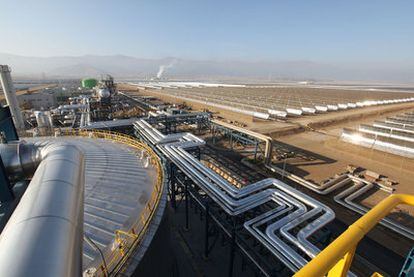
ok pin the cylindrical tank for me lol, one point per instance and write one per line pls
(104, 93)
(89, 83)
(42, 119)
(44, 122)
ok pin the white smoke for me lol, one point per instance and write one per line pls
(163, 67)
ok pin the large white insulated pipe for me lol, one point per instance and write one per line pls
(10, 95)
(44, 235)
(298, 209)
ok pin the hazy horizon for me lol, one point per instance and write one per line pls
(324, 40)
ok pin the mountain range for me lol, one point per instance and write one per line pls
(121, 66)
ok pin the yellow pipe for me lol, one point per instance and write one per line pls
(347, 241)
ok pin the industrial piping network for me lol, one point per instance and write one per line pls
(266, 139)
(291, 207)
(346, 197)
(359, 188)
(44, 235)
(330, 186)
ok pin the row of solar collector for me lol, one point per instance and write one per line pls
(280, 108)
(393, 135)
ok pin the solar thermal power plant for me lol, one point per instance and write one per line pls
(265, 102)
(158, 197)
(207, 139)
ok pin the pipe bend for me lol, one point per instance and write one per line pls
(47, 225)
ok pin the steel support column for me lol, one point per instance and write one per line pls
(206, 231)
(232, 249)
(186, 206)
(173, 187)
(6, 192)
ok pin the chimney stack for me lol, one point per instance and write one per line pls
(10, 95)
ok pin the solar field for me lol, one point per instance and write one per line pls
(268, 102)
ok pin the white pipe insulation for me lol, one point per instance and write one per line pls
(292, 207)
(361, 186)
(44, 235)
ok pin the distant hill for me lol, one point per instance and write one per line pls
(130, 67)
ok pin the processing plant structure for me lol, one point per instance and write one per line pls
(89, 188)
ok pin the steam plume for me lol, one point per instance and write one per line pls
(163, 67)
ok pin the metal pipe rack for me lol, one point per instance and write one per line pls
(216, 124)
(289, 217)
(345, 198)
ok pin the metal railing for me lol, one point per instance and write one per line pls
(126, 241)
(336, 259)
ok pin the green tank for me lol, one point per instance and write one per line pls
(89, 83)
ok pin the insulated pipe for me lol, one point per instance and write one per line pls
(20, 159)
(73, 107)
(232, 206)
(297, 259)
(234, 192)
(253, 227)
(341, 181)
(236, 201)
(323, 189)
(301, 241)
(360, 188)
(44, 235)
(268, 140)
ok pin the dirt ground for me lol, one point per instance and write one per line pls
(278, 127)
(335, 155)
(35, 89)
(318, 137)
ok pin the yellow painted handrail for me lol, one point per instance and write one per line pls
(336, 258)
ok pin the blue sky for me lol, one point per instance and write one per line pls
(323, 31)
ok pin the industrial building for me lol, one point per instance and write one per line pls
(90, 191)
(38, 101)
